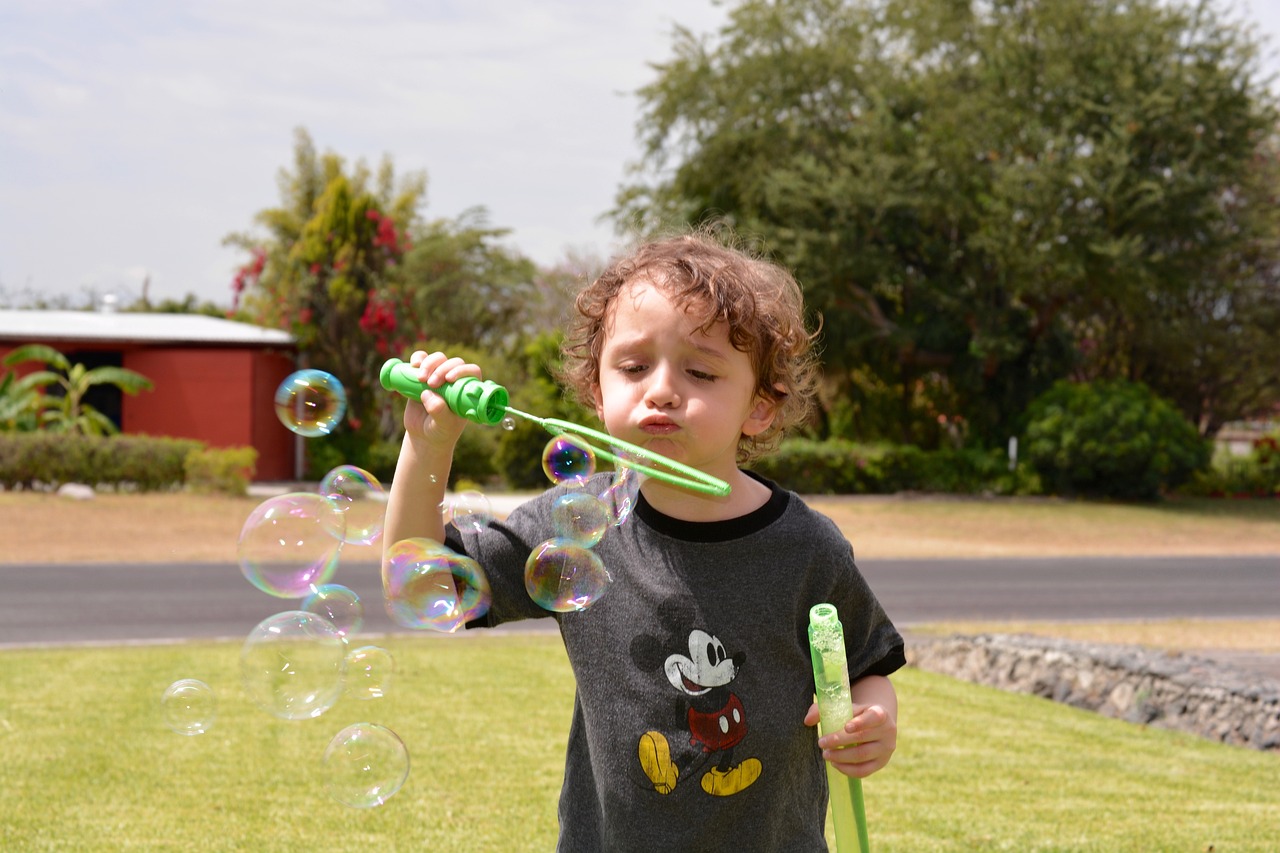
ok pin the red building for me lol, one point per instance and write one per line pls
(215, 380)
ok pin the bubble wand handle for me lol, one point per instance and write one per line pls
(835, 704)
(485, 402)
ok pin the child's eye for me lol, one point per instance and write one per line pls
(632, 369)
(703, 376)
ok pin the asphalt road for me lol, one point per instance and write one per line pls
(43, 604)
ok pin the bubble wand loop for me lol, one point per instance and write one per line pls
(835, 704)
(485, 402)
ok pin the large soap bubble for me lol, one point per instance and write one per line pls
(364, 765)
(339, 604)
(362, 500)
(290, 543)
(292, 665)
(563, 576)
(311, 402)
(428, 586)
(189, 706)
(568, 461)
(580, 517)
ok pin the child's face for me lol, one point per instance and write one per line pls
(670, 388)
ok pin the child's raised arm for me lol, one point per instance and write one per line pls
(431, 432)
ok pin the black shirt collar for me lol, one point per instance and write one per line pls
(717, 531)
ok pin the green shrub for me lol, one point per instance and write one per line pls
(837, 466)
(1256, 474)
(139, 462)
(225, 470)
(1111, 439)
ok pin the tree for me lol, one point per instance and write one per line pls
(982, 198)
(68, 412)
(351, 268)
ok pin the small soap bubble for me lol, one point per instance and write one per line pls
(364, 765)
(568, 461)
(290, 543)
(189, 706)
(508, 423)
(292, 665)
(580, 517)
(621, 494)
(369, 671)
(311, 402)
(428, 586)
(471, 511)
(361, 498)
(339, 604)
(563, 576)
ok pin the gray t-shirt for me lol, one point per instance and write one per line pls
(693, 672)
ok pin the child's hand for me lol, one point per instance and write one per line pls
(864, 746)
(433, 420)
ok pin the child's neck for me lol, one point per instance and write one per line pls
(747, 495)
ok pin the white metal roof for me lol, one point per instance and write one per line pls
(129, 327)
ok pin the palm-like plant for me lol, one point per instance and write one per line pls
(69, 412)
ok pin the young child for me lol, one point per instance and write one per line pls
(694, 680)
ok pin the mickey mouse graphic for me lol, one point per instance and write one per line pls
(702, 672)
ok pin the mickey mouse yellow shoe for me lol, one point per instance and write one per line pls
(655, 758)
(724, 783)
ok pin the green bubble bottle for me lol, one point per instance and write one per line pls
(835, 703)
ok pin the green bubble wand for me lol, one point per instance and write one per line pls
(835, 704)
(485, 402)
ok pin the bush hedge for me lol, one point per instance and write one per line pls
(838, 466)
(1111, 439)
(144, 463)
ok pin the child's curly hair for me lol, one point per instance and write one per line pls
(759, 301)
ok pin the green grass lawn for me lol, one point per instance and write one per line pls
(88, 764)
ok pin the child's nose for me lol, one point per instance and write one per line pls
(661, 391)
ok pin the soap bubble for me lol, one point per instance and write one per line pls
(471, 511)
(189, 706)
(292, 665)
(369, 671)
(311, 402)
(563, 576)
(581, 518)
(338, 604)
(290, 544)
(362, 500)
(428, 586)
(568, 461)
(622, 494)
(364, 765)
(508, 423)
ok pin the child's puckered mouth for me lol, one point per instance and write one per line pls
(658, 425)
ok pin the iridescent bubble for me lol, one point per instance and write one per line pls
(580, 517)
(311, 402)
(563, 576)
(290, 543)
(428, 586)
(189, 706)
(339, 604)
(471, 510)
(621, 495)
(369, 671)
(292, 665)
(362, 500)
(568, 461)
(364, 765)
(508, 423)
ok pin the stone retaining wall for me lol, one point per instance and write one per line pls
(1131, 683)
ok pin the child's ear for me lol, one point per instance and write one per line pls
(599, 401)
(761, 417)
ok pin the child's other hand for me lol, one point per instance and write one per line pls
(866, 743)
(433, 420)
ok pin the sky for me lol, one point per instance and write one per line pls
(136, 134)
